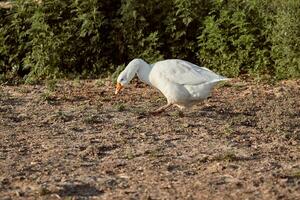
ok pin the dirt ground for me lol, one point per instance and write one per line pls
(77, 140)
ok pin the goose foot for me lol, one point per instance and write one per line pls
(161, 109)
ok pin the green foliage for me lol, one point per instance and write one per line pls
(285, 37)
(58, 38)
(53, 38)
(183, 25)
(246, 37)
(229, 42)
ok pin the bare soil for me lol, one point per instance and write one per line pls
(77, 140)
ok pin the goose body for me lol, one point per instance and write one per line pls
(181, 82)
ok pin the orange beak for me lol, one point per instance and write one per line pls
(118, 88)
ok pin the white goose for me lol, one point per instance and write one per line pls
(182, 83)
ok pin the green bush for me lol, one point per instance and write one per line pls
(256, 37)
(56, 37)
(61, 38)
(285, 39)
(13, 40)
(233, 40)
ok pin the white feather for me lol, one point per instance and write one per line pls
(181, 82)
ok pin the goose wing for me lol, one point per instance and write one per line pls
(183, 72)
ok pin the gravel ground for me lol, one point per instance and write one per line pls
(77, 140)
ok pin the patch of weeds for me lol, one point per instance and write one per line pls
(76, 82)
(296, 174)
(129, 154)
(177, 113)
(139, 110)
(240, 120)
(159, 99)
(47, 96)
(236, 119)
(100, 82)
(63, 116)
(31, 80)
(228, 129)
(266, 78)
(224, 84)
(118, 125)
(68, 198)
(155, 153)
(51, 85)
(3, 78)
(119, 107)
(228, 156)
(24, 90)
(3, 94)
(293, 174)
(92, 119)
(238, 85)
(107, 98)
(123, 124)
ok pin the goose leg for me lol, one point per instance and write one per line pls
(161, 109)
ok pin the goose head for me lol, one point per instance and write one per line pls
(128, 73)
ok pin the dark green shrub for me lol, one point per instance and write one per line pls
(58, 38)
(233, 40)
(181, 27)
(285, 38)
(256, 37)
(14, 39)
(142, 28)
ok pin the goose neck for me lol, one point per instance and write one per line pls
(144, 72)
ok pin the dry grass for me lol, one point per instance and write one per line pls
(76, 139)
